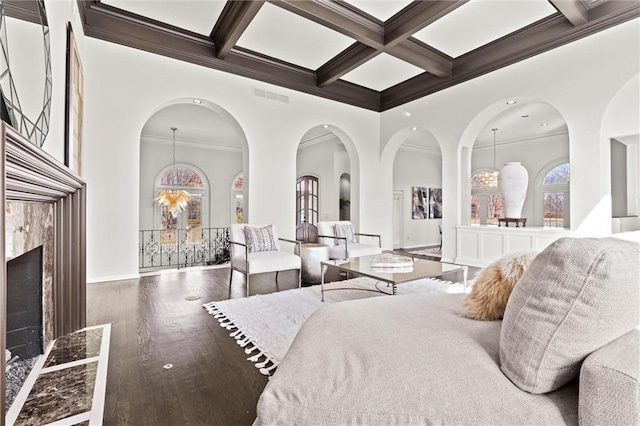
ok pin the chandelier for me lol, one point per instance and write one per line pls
(175, 200)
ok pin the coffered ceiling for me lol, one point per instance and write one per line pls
(372, 54)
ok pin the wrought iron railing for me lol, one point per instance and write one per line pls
(180, 248)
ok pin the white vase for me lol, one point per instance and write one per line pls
(513, 181)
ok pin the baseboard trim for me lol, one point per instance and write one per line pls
(96, 280)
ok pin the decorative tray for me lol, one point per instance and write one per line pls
(392, 261)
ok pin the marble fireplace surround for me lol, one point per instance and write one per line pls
(50, 199)
(28, 226)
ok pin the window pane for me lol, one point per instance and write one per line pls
(494, 209)
(181, 177)
(553, 209)
(557, 176)
(168, 227)
(475, 210)
(194, 219)
(488, 179)
(239, 208)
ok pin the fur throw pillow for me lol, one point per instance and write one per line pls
(493, 284)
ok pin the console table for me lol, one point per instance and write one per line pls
(517, 220)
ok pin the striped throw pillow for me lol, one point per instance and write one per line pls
(259, 239)
(345, 231)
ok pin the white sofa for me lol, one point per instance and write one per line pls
(567, 352)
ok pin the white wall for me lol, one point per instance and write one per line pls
(219, 166)
(124, 87)
(417, 167)
(534, 154)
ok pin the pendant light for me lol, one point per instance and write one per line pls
(175, 200)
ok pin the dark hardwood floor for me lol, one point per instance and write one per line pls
(153, 324)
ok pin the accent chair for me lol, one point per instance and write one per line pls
(340, 236)
(255, 249)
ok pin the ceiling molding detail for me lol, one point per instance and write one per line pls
(372, 37)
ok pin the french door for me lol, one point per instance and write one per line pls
(307, 209)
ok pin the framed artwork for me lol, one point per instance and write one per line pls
(435, 203)
(74, 105)
(420, 202)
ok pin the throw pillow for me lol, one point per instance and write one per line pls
(259, 239)
(343, 230)
(493, 285)
(576, 296)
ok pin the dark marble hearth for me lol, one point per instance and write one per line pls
(74, 347)
(62, 387)
(60, 394)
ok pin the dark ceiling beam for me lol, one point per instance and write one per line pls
(25, 10)
(415, 17)
(347, 60)
(234, 19)
(544, 35)
(574, 10)
(114, 25)
(424, 56)
(339, 16)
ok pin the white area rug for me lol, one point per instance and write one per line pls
(429, 251)
(265, 325)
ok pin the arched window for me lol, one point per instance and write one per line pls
(554, 192)
(192, 219)
(486, 202)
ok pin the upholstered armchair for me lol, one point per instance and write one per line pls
(343, 241)
(255, 249)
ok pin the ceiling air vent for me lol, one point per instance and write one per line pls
(260, 93)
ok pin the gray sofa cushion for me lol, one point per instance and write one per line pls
(402, 360)
(577, 295)
(609, 389)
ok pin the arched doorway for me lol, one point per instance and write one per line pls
(322, 165)
(204, 157)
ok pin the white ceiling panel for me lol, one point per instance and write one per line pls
(292, 38)
(381, 9)
(382, 72)
(479, 22)
(193, 15)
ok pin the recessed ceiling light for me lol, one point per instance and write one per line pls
(414, 128)
(544, 124)
(326, 126)
(511, 102)
(406, 113)
(197, 101)
(525, 116)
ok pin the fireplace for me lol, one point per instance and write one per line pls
(25, 337)
(45, 205)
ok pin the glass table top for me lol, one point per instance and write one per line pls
(422, 268)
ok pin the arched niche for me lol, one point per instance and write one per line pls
(326, 153)
(208, 139)
(530, 131)
(417, 174)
